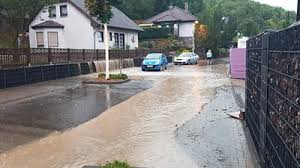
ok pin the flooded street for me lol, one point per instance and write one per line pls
(142, 129)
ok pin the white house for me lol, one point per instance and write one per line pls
(68, 25)
(180, 21)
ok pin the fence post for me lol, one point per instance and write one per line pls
(97, 54)
(49, 56)
(264, 97)
(83, 54)
(69, 57)
(29, 57)
(136, 53)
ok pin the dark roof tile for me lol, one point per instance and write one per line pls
(48, 24)
(119, 19)
(171, 15)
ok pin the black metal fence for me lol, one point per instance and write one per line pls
(10, 58)
(273, 97)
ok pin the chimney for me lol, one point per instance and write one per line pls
(298, 11)
(186, 6)
(171, 5)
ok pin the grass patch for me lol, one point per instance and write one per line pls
(119, 76)
(117, 164)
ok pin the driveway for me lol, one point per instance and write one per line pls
(153, 128)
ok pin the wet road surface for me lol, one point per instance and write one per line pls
(24, 121)
(141, 129)
(215, 140)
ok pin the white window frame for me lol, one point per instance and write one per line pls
(37, 41)
(50, 45)
(100, 37)
(60, 10)
(50, 11)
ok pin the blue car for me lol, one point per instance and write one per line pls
(155, 61)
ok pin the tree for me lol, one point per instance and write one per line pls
(18, 14)
(101, 9)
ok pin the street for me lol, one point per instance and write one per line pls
(171, 119)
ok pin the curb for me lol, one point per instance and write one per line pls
(101, 82)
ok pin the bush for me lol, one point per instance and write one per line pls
(117, 164)
(146, 44)
(113, 76)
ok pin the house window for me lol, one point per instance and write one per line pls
(122, 41)
(52, 39)
(40, 39)
(63, 10)
(52, 11)
(117, 42)
(100, 37)
(110, 36)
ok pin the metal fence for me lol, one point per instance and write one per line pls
(10, 58)
(273, 97)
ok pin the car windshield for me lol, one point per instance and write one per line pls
(153, 56)
(186, 55)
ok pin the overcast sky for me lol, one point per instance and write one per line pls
(286, 4)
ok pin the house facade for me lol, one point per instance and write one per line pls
(181, 22)
(69, 25)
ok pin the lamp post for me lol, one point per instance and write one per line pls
(193, 38)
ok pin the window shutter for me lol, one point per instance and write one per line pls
(40, 39)
(52, 39)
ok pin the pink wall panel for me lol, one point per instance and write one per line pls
(238, 63)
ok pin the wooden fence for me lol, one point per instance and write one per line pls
(10, 58)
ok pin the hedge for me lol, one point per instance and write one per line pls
(155, 33)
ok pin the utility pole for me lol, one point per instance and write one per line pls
(298, 11)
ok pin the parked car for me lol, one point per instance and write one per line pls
(155, 61)
(186, 58)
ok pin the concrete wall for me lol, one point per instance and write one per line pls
(186, 29)
(78, 32)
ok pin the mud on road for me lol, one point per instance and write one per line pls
(141, 129)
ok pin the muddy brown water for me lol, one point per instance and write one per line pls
(140, 130)
(25, 120)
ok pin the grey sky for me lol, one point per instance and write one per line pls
(286, 4)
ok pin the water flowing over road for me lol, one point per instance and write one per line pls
(141, 130)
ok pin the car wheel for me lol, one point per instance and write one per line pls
(165, 66)
(143, 69)
(175, 63)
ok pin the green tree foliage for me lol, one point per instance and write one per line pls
(18, 14)
(101, 8)
(243, 17)
(137, 9)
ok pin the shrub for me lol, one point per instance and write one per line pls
(117, 164)
(113, 76)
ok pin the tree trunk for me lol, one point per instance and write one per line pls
(106, 46)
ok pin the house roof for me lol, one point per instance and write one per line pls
(171, 15)
(48, 24)
(119, 19)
